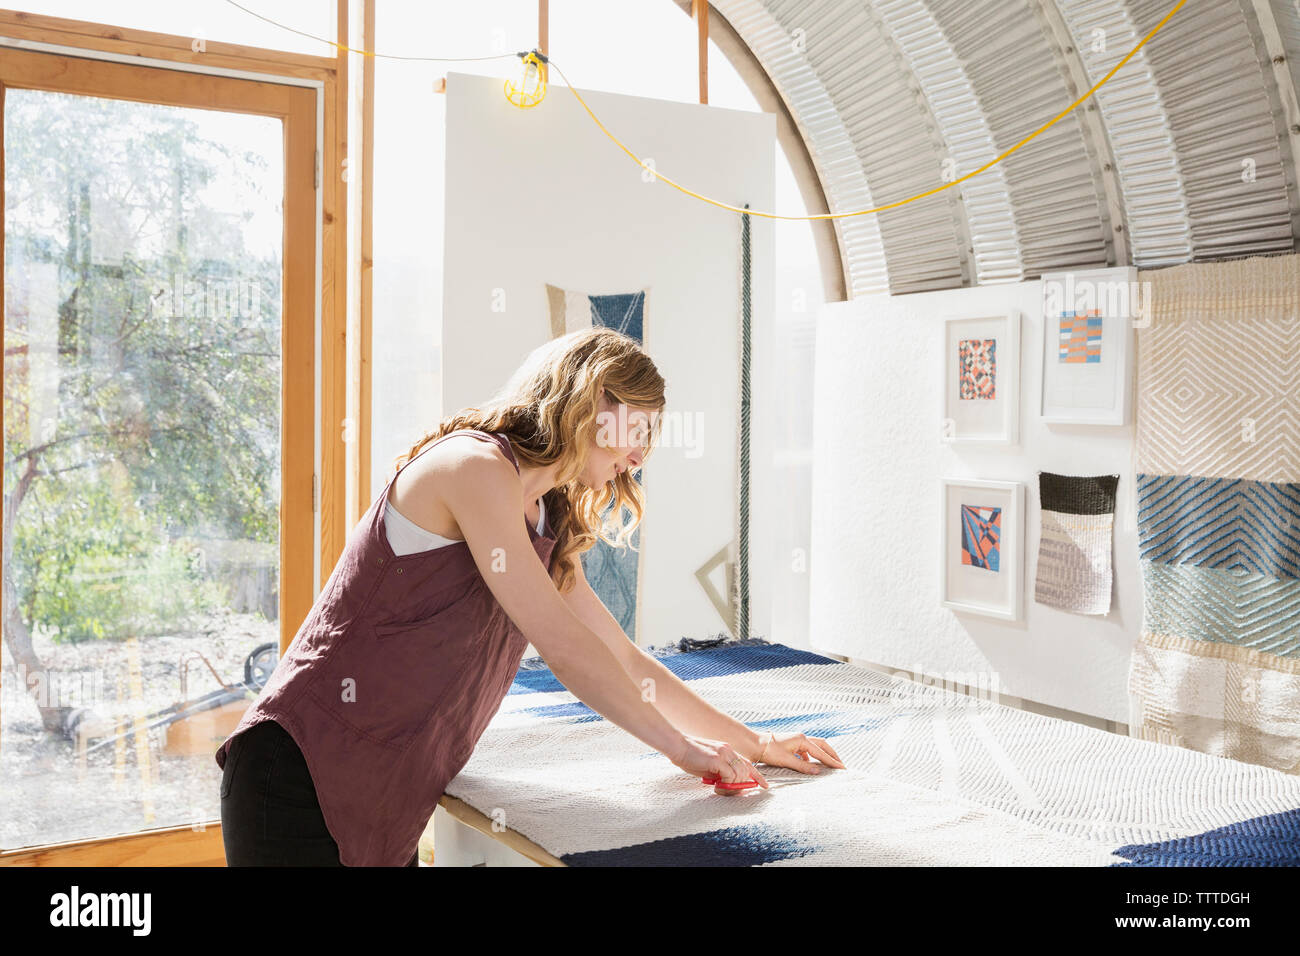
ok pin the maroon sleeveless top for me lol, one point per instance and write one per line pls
(391, 680)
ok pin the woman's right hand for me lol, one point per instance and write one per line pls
(701, 757)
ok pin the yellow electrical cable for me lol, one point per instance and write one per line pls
(767, 215)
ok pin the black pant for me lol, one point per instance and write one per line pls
(270, 815)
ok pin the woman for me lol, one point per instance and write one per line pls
(416, 637)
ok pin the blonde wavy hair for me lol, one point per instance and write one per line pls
(549, 410)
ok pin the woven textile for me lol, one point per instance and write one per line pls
(1074, 550)
(1217, 665)
(1217, 371)
(933, 777)
(739, 597)
(1234, 700)
(571, 311)
(613, 573)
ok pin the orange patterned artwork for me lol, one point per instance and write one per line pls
(1080, 337)
(977, 368)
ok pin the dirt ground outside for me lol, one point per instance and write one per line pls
(49, 793)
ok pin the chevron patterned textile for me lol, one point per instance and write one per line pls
(1217, 666)
(932, 777)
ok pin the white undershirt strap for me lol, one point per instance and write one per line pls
(407, 537)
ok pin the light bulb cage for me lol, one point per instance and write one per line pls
(531, 90)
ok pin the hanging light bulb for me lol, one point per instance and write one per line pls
(531, 89)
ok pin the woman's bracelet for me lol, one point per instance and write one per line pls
(771, 735)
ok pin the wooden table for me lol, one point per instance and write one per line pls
(462, 836)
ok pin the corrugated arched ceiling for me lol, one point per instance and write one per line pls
(1188, 153)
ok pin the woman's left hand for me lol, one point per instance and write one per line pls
(795, 750)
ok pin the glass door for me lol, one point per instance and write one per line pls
(158, 432)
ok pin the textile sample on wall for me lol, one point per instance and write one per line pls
(977, 368)
(1217, 666)
(614, 573)
(981, 533)
(739, 595)
(1074, 550)
(577, 310)
(1081, 337)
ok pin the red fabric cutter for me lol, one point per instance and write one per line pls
(729, 788)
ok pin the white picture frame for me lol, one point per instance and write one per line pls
(970, 587)
(981, 401)
(1088, 377)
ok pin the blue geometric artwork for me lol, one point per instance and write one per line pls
(981, 536)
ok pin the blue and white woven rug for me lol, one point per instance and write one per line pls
(933, 777)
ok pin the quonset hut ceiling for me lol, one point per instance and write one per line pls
(1187, 153)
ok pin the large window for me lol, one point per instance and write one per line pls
(145, 317)
(207, 20)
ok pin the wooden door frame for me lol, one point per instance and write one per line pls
(309, 95)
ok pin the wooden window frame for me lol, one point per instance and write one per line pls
(316, 200)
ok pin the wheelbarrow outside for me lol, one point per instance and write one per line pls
(199, 725)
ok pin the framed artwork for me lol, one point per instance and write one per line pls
(981, 555)
(1088, 322)
(981, 372)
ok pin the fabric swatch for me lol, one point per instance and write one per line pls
(1217, 665)
(1074, 550)
(570, 311)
